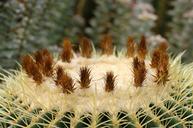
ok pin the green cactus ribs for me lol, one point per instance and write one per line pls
(98, 88)
(170, 114)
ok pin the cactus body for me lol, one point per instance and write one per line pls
(127, 90)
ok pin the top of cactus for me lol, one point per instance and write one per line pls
(102, 80)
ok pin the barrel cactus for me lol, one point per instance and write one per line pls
(132, 88)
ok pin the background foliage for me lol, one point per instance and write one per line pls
(28, 25)
(180, 35)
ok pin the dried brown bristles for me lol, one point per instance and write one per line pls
(38, 56)
(139, 71)
(42, 65)
(109, 82)
(32, 69)
(130, 47)
(66, 54)
(44, 61)
(162, 48)
(86, 47)
(48, 63)
(160, 61)
(59, 73)
(142, 48)
(162, 75)
(37, 75)
(26, 62)
(107, 45)
(155, 58)
(85, 78)
(66, 82)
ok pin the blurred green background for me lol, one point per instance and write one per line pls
(29, 25)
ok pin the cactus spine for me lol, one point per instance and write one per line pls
(131, 89)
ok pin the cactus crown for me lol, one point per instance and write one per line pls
(87, 89)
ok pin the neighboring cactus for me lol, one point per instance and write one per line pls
(28, 25)
(127, 90)
(120, 18)
(181, 27)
